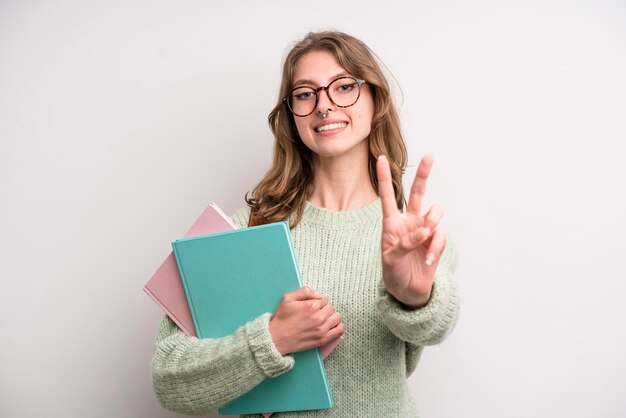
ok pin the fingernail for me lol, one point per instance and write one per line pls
(418, 237)
(430, 257)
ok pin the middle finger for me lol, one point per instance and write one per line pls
(419, 185)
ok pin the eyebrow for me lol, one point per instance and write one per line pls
(306, 82)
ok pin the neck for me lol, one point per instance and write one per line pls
(342, 184)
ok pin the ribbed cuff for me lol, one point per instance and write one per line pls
(262, 346)
(395, 311)
(426, 325)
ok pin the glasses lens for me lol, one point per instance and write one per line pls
(302, 101)
(344, 91)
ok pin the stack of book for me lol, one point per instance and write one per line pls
(217, 279)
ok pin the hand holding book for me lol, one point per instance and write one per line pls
(304, 320)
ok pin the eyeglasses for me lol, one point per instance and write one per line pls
(342, 92)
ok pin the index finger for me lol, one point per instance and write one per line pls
(419, 184)
(385, 187)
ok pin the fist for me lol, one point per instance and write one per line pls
(304, 320)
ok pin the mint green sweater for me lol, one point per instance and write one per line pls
(339, 256)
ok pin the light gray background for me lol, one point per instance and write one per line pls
(120, 121)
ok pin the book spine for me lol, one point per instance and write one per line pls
(292, 252)
(185, 286)
(223, 215)
(165, 309)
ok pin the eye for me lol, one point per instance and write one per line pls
(345, 86)
(303, 95)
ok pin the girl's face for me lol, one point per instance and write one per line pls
(349, 126)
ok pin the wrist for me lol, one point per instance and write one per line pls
(411, 302)
(415, 305)
(275, 334)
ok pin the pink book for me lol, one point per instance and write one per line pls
(166, 287)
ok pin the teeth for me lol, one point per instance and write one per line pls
(331, 126)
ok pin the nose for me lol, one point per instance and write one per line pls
(323, 100)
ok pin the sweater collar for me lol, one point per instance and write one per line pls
(369, 213)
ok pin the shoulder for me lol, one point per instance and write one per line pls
(241, 217)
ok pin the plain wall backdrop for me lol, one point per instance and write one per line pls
(121, 120)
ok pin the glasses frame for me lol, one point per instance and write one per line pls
(359, 82)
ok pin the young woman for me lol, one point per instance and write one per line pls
(380, 277)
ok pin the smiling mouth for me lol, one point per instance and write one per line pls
(331, 126)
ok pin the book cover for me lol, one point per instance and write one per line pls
(165, 286)
(231, 278)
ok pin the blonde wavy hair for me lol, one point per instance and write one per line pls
(288, 184)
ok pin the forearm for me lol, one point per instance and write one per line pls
(196, 376)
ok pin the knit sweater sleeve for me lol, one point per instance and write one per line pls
(197, 376)
(431, 323)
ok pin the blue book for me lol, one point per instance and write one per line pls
(230, 278)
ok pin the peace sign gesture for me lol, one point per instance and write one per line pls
(411, 244)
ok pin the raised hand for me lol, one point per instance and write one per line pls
(411, 244)
(303, 320)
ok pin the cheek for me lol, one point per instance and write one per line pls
(364, 119)
(301, 127)
(365, 114)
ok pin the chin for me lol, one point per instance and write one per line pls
(337, 151)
